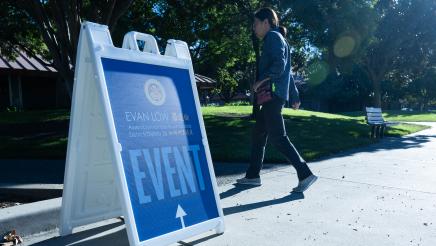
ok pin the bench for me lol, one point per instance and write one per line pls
(374, 118)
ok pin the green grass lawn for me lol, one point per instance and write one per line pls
(43, 134)
(33, 117)
(396, 115)
(314, 134)
(34, 134)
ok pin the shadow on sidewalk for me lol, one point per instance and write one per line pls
(235, 190)
(112, 234)
(242, 208)
(201, 240)
(256, 205)
(115, 234)
(386, 144)
(32, 171)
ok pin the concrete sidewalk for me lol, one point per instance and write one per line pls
(383, 194)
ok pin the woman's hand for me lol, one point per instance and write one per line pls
(258, 84)
(296, 105)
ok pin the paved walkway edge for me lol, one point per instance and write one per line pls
(37, 217)
(28, 219)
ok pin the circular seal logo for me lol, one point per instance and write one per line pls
(155, 92)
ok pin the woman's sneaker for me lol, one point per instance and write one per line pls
(246, 181)
(304, 184)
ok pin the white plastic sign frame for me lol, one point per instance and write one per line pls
(95, 186)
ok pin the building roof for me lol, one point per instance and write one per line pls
(25, 63)
(204, 82)
(203, 79)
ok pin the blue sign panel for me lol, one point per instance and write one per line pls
(164, 159)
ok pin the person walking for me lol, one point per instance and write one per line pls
(272, 90)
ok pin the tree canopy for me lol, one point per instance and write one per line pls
(350, 52)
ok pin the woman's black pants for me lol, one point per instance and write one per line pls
(270, 125)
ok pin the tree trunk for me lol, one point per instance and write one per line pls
(377, 93)
(69, 87)
(60, 32)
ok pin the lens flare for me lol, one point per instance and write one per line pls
(317, 72)
(344, 46)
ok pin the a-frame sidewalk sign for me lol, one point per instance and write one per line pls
(137, 144)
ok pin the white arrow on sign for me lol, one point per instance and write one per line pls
(180, 214)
